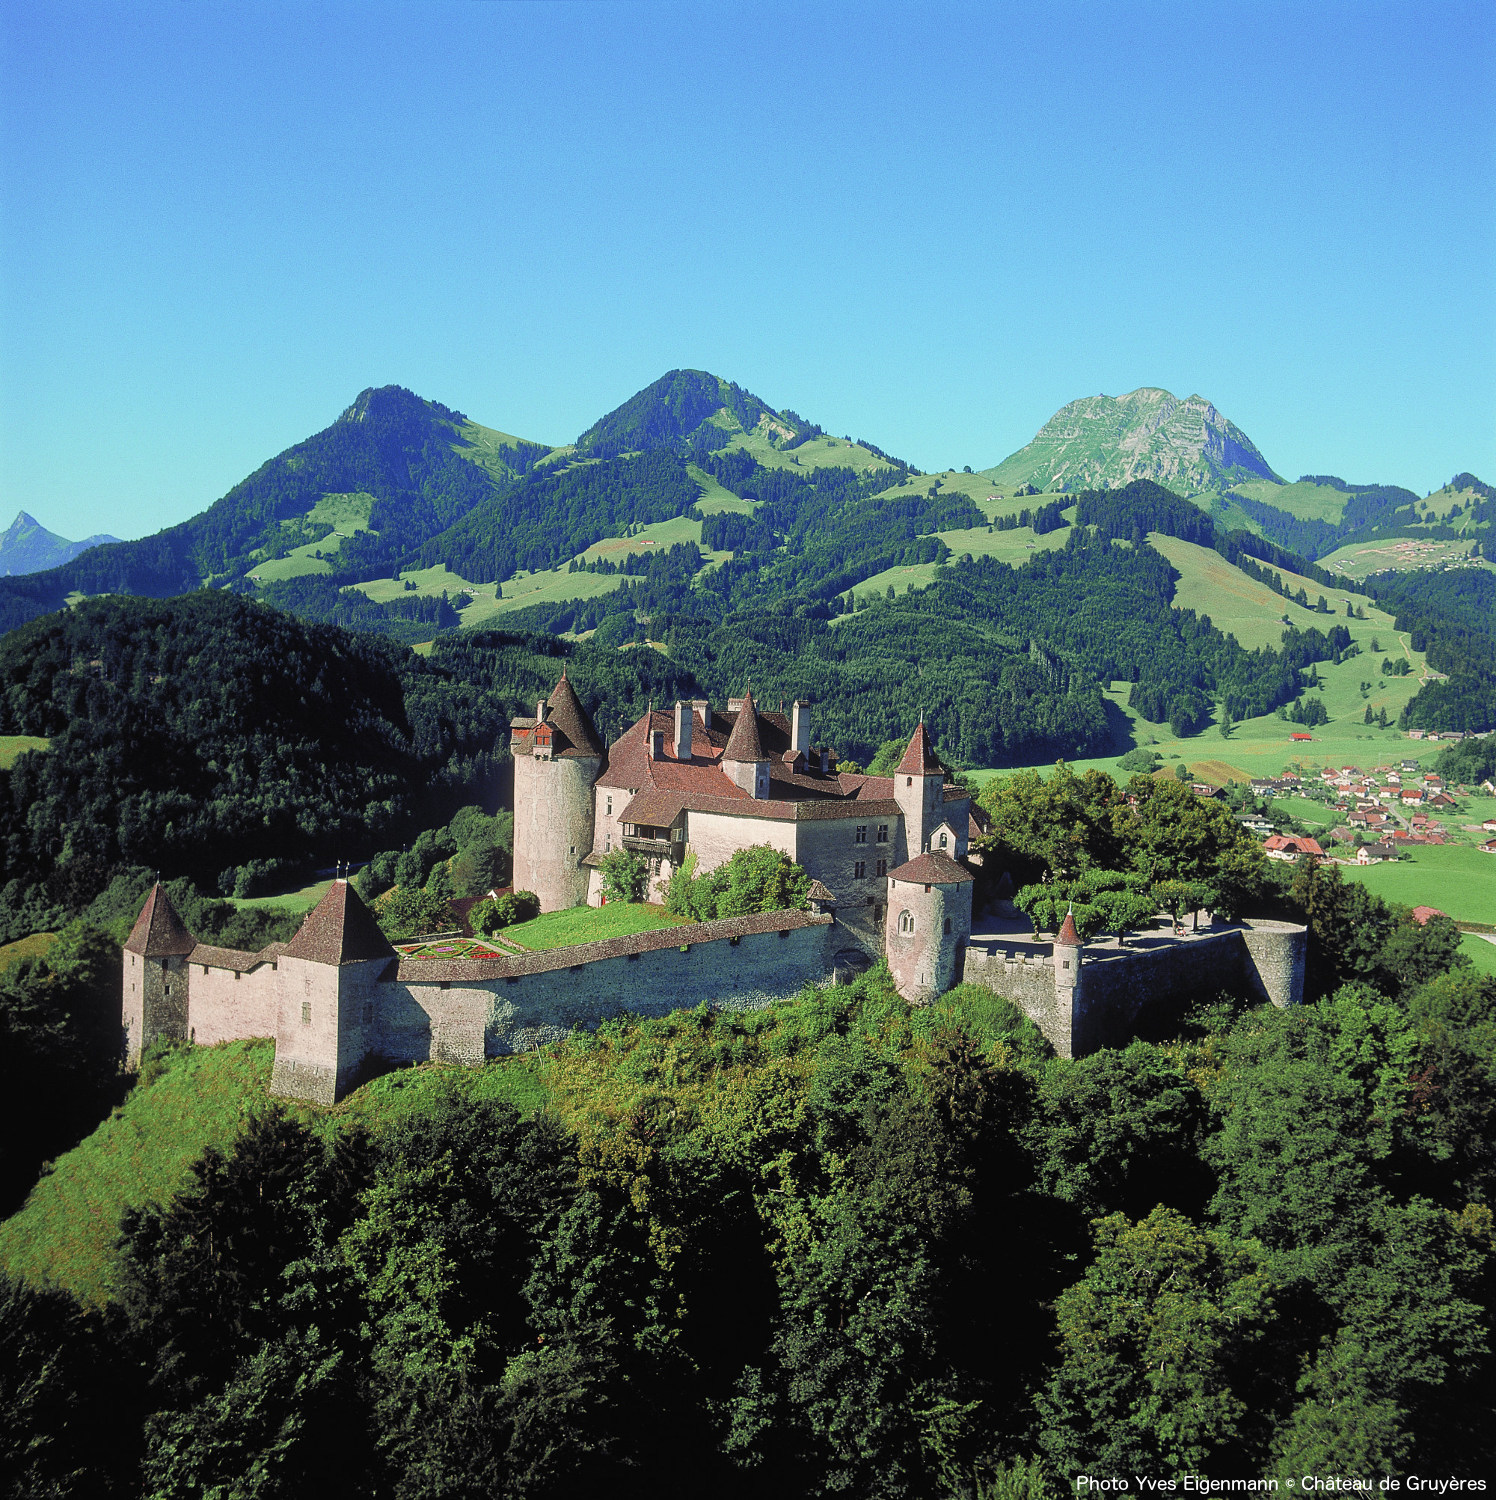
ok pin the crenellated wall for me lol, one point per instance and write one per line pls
(1117, 987)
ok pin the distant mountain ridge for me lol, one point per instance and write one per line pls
(1109, 441)
(26, 546)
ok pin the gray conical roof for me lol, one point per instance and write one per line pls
(564, 713)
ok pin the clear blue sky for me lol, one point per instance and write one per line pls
(930, 225)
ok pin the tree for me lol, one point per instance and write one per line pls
(1179, 836)
(1181, 772)
(1153, 1344)
(1063, 824)
(409, 911)
(757, 878)
(1227, 723)
(625, 875)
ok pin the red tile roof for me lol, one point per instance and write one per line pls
(1067, 936)
(931, 868)
(920, 759)
(340, 930)
(158, 930)
(1422, 914)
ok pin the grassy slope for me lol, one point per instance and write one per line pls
(27, 947)
(1398, 554)
(301, 900)
(1481, 954)
(1309, 502)
(140, 1154)
(346, 514)
(12, 745)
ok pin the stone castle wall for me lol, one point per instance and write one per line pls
(1116, 989)
(225, 1004)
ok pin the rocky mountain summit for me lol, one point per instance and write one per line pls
(26, 546)
(1187, 446)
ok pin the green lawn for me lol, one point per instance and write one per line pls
(1456, 878)
(12, 745)
(589, 924)
(345, 513)
(1480, 953)
(300, 900)
(27, 947)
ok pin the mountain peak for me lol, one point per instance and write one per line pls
(1186, 445)
(26, 546)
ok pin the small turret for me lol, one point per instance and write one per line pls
(1069, 956)
(744, 759)
(919, 789)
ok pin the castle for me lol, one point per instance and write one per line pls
(882, 851)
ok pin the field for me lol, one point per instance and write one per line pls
(1397, 554)
(590, 924)
(1456, 878)
(27, 947)
(1482, 955)
(1309, 502)
(12, 745)
(346, 514)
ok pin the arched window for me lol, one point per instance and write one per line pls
(906, 921)
(942, 841)
(947, 926)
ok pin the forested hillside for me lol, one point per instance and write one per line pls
(412, 456)
(838, 1247)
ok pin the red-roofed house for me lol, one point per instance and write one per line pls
(1290, 846)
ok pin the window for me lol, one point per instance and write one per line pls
(883, 867)
(908, 781)
(878, 912)
(947, 926)
(368, 1012)
(859, 870)
(906, 921)
(883, 833)
(610, 807)
(862, 833)
(942, 840)
(306, 1012)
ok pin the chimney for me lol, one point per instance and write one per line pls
(734, 705)
(540, 710)
(682, 730)
(656, 744)
(704, 708)
(800, 728)
(825, 760)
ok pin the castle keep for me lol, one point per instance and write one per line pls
(883, 853)
(707, 782)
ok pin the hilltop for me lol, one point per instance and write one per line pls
(1099, 441)
(26, 546)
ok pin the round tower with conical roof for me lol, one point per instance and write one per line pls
(557, 758)
(928, 925)
(744, 758)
